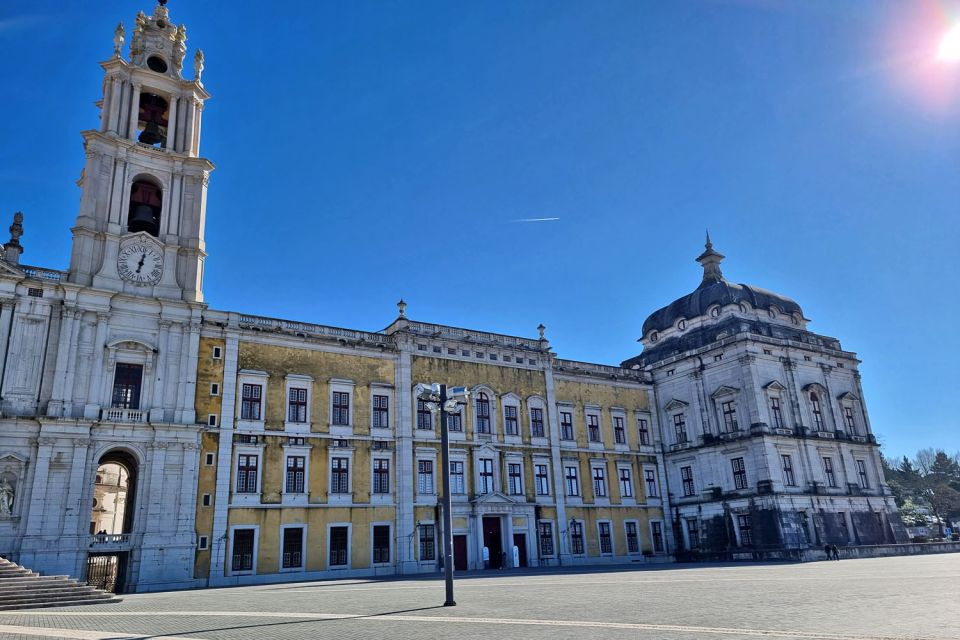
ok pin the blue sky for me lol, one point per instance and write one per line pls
(368, 151)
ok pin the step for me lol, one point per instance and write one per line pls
(107, 599)
(40, 591)
(57, 597)
(11, 582)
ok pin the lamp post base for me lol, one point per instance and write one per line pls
(450, 603)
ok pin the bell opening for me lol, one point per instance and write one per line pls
(146, 203)
(153, 120)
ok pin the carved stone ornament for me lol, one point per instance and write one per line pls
(118, 39)
(198, 65)
(7, 495)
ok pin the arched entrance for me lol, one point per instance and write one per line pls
(111, 520)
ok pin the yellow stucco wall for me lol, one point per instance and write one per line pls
(209, 370)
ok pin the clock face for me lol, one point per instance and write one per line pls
(140, 264)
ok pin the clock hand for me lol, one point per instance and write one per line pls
(140, 265)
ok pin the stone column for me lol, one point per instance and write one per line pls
(198, 117)
(171, 143)
(134, 112)
(404, 472)
(76, 506)
(37, 504)
(556, 461)
(187, 512)
(218, 539)
(72, 364)
(187, 142)
(94, 396)
(64, 347)
(7, 307)
(157, 410)
(115, 104)
(831, 401)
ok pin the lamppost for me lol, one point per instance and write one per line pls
(439, 401)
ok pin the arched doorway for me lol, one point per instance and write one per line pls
(111, 520)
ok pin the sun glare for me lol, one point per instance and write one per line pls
(950, 45)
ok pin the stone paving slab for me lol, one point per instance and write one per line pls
(873, 599)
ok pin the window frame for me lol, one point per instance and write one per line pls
(303, 548)
(738, 467)
(687, 481)
(348, 563)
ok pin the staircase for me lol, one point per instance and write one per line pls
(23, 589)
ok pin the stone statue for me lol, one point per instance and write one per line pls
(6, 498)
(198, 65)
(118, 39)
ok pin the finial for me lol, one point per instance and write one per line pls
(13, 249)
(163, 3)
(402, 306)
(198, 65)
(708, 245)
(118, 39)
(710, 261)
(541, 329)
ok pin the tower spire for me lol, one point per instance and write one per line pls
(710, 261)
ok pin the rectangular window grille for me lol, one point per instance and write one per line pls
(593, 428)
(339, 541)
(817, 411)
(545, 531)
(746, 530)
(633, 540)
(247, 473)
(828, 470)
(340, 475)
(680, 427)
(381, 475)
(626, 484)
(510, 422)
(862, 474)
(686, 476)
(643, 429)
(536, 423)
(381, 412)
(428, 542)
(573, 485)
(515, 479)
(656, 529)
(576, 538)
(776, 412)
(729, 417)
(619, 433)
(486, 475)
(250, 401)
(542, 480)
(425, 476)
(381, 544)
(297, 405)
(599, 482)
(693, 533)
(788, 477)
(292, 547)
(739, 473)
(566, 425)
(296, 466)
(341, 408)
(483, 413)
(650, 478)
(457, 484)
(454, 421)
(242, 550)
(606, 540)
(848, 418)
(424, 417)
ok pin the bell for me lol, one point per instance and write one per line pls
(151, 134)
(142, 220)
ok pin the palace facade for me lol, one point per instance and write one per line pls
(147, 435)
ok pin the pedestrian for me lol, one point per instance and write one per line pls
(828, 552)
(836, 552)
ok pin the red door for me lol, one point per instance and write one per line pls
(460, 553)
(493, 541)
(520, 542)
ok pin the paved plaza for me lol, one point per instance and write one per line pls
(884, 598)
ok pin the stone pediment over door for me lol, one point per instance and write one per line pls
(498, 503)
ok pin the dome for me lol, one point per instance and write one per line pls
(716, 290)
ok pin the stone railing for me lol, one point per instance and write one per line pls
(39, 273)
(307, 329)
(611, 371)
(110, 540)
(467, 335)
(118, 414)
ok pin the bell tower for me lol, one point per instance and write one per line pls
(144, 185)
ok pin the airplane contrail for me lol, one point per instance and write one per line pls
(535, 220)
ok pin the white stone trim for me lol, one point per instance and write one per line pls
(349, 564)
(303, 548)
(340, 498)
(343, 386)
(297, 381)
(248, 376)
(256, 549)
(296, 450)
(383, 389)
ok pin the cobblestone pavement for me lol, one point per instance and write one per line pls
(876, 599)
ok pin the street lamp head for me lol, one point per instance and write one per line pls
(427, 393)
(452, 406)
(460, 394)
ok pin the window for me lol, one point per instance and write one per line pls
(486, 475)
(208, 459)
(510, 425)
(606, 540)
(425, 476)
(633, 540)
(340, 475)
(247, 473)
(848, 418)
(202, 544)
(381, 475)
(456, 477)
(250, 402)
(626, 483)
(381, 544)
(483, 413)
(693, 533)
(341, 408)
(381, 412)
(536, 422)
(828, 470)
(680, 427)
(788, 477)
(656, 533)
(542, 480)
(599, 482)
(776, 412)
(242, 550)
(211, 419)
(817, 411)
(454, 420)
(127, 379)
(593, 427)
(566, 425)
(573, 485)
(214, 388)
(515, 479)
(619, 434)
(643, 428)
(545, 535)
(729, 416)
(739, 473)
(428, 542)
(650, 478)
(296, 405)
(339, 541)
(862, 474)
(424, 417)
(217, 353)
(746, 530)
(206, 500)
(295, 472)
(576, 538)
(686, 477)
(292, 556)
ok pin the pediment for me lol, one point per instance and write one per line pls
(9, 270)
(511, 398)
(774, 385)
(12, 457)
(814, 386)
(724, 390)
(676, 405)
(846, 395)
(131, 343)
(499, 498)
